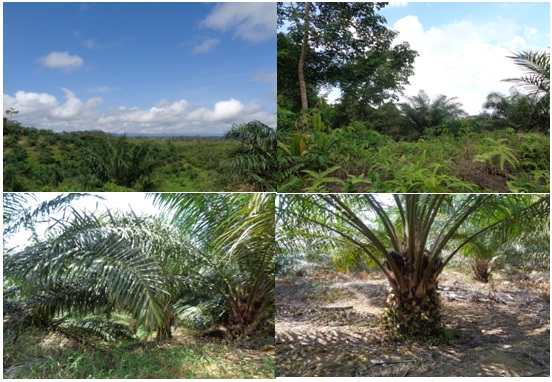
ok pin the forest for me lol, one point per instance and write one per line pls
(438, 285)
(373, 140)
(41, 160)
(187, 293)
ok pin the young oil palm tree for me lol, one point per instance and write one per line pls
(536, 78)
(518, 111)
(254, 160)
(93, 265)
(487, 252)
(236, 263)
(421, 113)
(534, 99)
(124, 163)
(411, 238)
(217, 260)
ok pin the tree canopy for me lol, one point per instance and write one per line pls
(352, 46)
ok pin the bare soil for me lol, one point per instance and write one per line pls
(327, 326)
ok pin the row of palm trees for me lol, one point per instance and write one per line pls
(210, 259)
(526, 108)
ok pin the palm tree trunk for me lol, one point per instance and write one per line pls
(302, 59)
(164, 329)
(243, 318)
(413, 305)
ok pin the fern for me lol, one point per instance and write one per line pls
(320, 179)
(354, 181)
(498, 149)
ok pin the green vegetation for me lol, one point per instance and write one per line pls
(41, 160)
(39, 356)
(357, 159)
(101, 286)
(367, 142)
(253, 161)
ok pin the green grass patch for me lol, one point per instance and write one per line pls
(43, 357)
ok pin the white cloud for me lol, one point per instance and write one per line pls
(462, 59)
(44, 111)
(74, 109)
(224, 112)
(397, 4)
(253, 22)
(61, 60)
(268, 76)
(92, 44)
(531, 33)
(206, 45)
(30, 103)
(102, 89)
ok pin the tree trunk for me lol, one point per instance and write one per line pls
(302, 59)
(164, 329)
(243, 320)
(413, 307)
(481, 270)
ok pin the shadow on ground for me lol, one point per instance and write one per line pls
(326, 326)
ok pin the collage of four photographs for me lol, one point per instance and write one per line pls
(271, 190)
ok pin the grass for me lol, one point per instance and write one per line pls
(38, 356)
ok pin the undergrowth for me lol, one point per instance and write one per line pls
(354, 159)
(40, 357)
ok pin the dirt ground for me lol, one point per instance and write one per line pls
(327, 326)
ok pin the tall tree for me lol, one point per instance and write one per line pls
(289, 53)
(411, 238)
(351, 37)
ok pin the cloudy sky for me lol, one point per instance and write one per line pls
(146, 68)
(463, 46)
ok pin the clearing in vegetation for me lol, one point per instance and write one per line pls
(327, 325)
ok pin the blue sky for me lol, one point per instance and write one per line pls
(147, 68)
